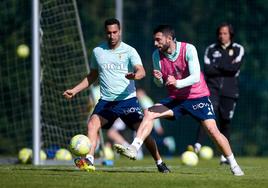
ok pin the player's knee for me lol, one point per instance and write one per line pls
(90, 126)
(93, 124)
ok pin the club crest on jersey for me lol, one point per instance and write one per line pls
(121, 56)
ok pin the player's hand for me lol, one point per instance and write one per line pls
(157, 74)
(130, 75)
(68, 94)
(171, 81)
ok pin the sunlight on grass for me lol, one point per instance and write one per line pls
(137, 174)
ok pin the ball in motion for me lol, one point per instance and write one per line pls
(23, 51)
(206, 153)
(80, 145)
(63, 155)
(189, 158)
(25, 155)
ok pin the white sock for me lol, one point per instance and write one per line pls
(158, 162)
(90, 158)
(137, 143)
(197, 147)
(232, 160)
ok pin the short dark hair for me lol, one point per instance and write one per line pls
(165, 29)
(230, 28)
(111, 21)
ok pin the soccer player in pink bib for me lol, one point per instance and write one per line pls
(176, 67)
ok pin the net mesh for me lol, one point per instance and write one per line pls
(64, 64)
(15, 79)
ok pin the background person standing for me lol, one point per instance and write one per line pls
(222, 62)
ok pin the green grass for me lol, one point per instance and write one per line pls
(138, 174)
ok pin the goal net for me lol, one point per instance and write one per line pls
(63, 65)
(15, 77)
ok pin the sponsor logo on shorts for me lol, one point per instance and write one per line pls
(210, 112)
(200, 105)
(133, 110)
(204, 105)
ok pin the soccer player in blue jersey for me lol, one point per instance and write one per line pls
(117, 65)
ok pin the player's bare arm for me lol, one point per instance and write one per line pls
(86, 82)
(138, 74)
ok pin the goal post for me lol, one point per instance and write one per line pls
(64, 63)
(36, 83)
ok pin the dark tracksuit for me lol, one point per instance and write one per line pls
(221, 69)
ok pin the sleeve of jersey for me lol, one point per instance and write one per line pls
(157, 66)
(194, 68)
(93, 61)
(135, 57)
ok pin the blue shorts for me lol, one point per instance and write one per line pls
(128, 110)
(199, 108)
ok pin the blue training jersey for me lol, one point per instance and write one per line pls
(113, 65)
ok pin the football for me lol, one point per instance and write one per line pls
(23, 51)
(43, 155)
(25, 155)
(80, 145)
(206, 153)
(189, 158)
(63, 155)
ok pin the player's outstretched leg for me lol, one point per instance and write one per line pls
(223, 144)
(84, 164)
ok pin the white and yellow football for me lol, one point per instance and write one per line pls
(189, 158)
(206, 153)
(63, 155)
(80, 145)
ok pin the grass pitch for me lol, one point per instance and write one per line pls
(138, 174)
